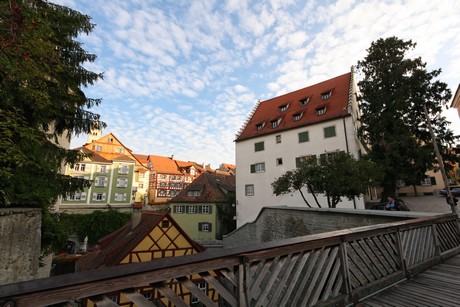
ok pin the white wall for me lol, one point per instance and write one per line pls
(248, 207)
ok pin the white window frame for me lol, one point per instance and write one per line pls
(426, 182)
(123, 169)
(100, 181)
(249, 190)
(192, 209)
(205, 209)
(122, 182)
(178, 209)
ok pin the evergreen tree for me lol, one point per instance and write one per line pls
(393, 122)
(41, 75)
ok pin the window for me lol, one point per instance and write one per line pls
(192, 172)
(109, 140)
(97, 147)
(275, 123)
(161, 176)
(299, 160)
(279, 161)
(304, 101)
(249, 190)
(162, 184)
(77, 196)
(119, 150)
(278, 139)
(99, 196)
(400, 183)
(260, 126)
(428, 181)
(79, 167)
(329, 132)
(113, 298)
(205, 209)
(141, 175)
(193, 193)
(122, 182)
(258, 167)
(326, 95)
(120, 196)
(284, 107)
(192, 209)
(140, 185)
(164, 224)
(297, 116)
(326, 156)
(102, 169)
(161, 193)
(100, 181)
(303, 137)
(203, 287)
(178, 209)
(123, 169)
(321, 110)
(204, 226)
(259, 146)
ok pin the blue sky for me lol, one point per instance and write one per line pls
(181, 77)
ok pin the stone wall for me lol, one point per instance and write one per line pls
(275, 223)
(20, 230)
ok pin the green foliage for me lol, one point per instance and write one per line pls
(393, 91)
(336, 175)
(96, 225)
(41, 73)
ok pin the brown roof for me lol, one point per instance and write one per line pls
(141, 158)
(215, 188)
(272, 109)
(115, 246)
(93, 156)
(124, 158)
(164, 165)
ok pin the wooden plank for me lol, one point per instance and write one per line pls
(433, 292)
(254, 289)
(137, 298)
(373, 253)
(102, 301)
(292, 260)
(311, 264)
(366, 261)
(314, 280)
(295, 278)
(229, 275)
(202, 296)
(326, 274)
(229, 297)
(386, 256)
(268, 286)
(169, 294)
(423, 296)
(333, 276)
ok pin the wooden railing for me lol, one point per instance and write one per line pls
(339, 267)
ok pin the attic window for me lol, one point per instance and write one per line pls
(260, 126)
(297, 116)
(110, 140)
(275, 123)
(284, 107)
(321, 110)
(193, 193)
(326, 95)
(304, 101)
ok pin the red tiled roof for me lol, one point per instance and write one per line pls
(93, 156)
(115, 246)
(270, 110)
(141, 158)
(211, 186)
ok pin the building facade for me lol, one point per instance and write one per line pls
(280, 132)
(206, 208)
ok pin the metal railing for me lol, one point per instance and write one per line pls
(338, 267)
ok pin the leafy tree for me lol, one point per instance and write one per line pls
(336, 175)
(393, 91)
(41, 73)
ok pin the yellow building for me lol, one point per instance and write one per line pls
(148, 236)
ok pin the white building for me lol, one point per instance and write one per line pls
(314, 120)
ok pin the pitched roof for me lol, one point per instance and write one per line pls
(125, 158)
(93, 156)
(141, 158)
(212, 188)
(284, 108)
(115, 246)
(164, 165)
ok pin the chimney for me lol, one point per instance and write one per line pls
(137, 215)
(172, 157)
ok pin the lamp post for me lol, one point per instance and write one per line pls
(440, 162)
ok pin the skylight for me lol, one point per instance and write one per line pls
(275, 123)
(284, 107)
(260, 126)
(297, 116)
(304, 101)
(326, 95)
(321, 110)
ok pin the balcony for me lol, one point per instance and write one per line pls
(335, 268)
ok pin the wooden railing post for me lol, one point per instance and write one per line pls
(242, 293)
(402, 253)
(345, 270)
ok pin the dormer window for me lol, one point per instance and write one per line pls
(284, 107)
(304, 101)
(193, 193)
(297, 116)
(321, 110)
(326, 95)
(260, 126)
(275, 123)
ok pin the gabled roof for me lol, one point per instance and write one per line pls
(93, 156)
(284, 111)
(164, 165)
(111, 135)
(211, 186)
(142, 158)
(125, 158)
(114, 247)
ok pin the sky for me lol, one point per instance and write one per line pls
(181, 77)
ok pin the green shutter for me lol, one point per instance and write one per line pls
(210, 209)
(253, 168)
(259, 146)
(210, 227)
(199, 226)
(303, 137)
(297, 162)
(329, 131)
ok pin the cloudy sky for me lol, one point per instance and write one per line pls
(181, 77)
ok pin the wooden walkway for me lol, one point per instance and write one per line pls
(438, 286)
